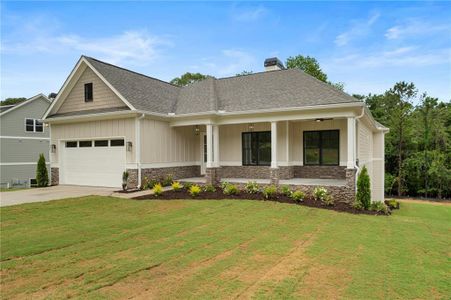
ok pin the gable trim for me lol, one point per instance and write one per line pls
(29, 100)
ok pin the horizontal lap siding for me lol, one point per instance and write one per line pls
(23, 150)
(18, 172)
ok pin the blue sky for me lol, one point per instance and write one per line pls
(366, 45)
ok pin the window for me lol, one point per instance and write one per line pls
(33, 125)
(88, 92)
(85, 143)
(256, 148)
(321, 147)
(101, 143)
(71, 144)
(116, 143)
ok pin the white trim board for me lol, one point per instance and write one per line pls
(21, 163)
(24, 137)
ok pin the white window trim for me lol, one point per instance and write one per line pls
(34, 125)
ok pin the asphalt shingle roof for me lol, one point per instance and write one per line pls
(265, 90)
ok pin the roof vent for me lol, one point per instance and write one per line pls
(273, 64)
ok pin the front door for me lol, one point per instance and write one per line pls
(203, 153)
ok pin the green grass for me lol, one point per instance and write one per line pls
(103, 247)
(3, 190)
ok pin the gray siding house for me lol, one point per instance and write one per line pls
(23, 137)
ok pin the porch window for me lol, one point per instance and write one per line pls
(321, 148)
(256, 148)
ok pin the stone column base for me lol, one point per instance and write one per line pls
(274, 176)
(132, 182)
(55, 176)
(212, 176)
(350, 185)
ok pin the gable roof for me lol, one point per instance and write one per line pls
(28, 101)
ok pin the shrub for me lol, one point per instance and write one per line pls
(42, 176)
(176, 186)
(297, 196)
(144, 183)
(224, 184)
(357, 205)
(269, 191)
(363, 188)
(187, 185)
(195, 190)
(157, 190)
(167, 181)
(328, 200)
(124, 180)
(392, 204)
(151, 183)
(251, 187)
(209, 188)
(379, 206)
(285, 189)
(321, 194)
(230, 189)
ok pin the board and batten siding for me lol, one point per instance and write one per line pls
(92, 130)
(103, 96)
(163, 144)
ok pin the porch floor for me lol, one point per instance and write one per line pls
(293, 181)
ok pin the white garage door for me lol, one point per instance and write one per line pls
(94, 163)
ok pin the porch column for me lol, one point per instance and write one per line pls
(274, 171)
(351, 143)
(209, 146)
(216, 146)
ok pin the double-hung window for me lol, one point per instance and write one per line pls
(256, 148)
(321, 148)
(33, 125)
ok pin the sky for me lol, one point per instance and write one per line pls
(369, 46)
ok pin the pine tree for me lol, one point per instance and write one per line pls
(42, 176)
(363, 188)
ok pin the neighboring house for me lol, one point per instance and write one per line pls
(278, 126)
(23, 138)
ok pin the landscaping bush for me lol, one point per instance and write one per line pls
(151, 183)
(224, 184)
(176, 186)
(363, 189)
(42, 176)
(167, 181)
(297, 196)
(269, 192)
(286, 191)
(195, 190)
(379, 206)
(252, 187)
(157, 190)
(124, 180)
(230, 189)
(321, 194)
(209, 188)
(187, 185)
(144, 183)
(392, 204)
(357, 205)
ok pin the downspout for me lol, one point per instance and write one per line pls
(138, 146)
(355, 145)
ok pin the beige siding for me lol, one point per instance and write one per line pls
(378, 166)
(104, 97)
(161, 143)
(91, 130)
(296, 137)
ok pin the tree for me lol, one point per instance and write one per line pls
(12, 101)
(363, 195)
(244, 73)
(42, 176)
(188, 78)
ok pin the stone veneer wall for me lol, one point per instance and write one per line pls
(176, 172)
(132, 178)
(254, 172)
(321, 172)
(55, 176)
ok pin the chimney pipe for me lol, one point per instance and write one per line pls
(273, 64)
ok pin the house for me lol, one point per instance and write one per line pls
(278, 126)
(23, 137)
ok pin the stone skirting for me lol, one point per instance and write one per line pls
(132, 182)
(54, 176)
(175, 172)
(212, 176)
(255, 172)
(274, 176)
(321, 172)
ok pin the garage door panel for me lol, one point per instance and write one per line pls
(96, 166)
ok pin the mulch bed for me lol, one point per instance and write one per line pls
(219, 195)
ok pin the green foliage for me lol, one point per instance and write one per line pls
(157, 190)
(147, 183)
(187, 185)
(379, 206)
(392, 204)
(389, 183)
(188, 78)
(252, 187)
(357, 205)
(297, 196)
(176, 186)
(363, 188)
(269, 191)
(230, 189)
(167, 181)
(319, 193)
(244, 73)
(285, 190)
(42, 176)
(195, 190)
(209, 188)
(12, 101)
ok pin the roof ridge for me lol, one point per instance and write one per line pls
(252, 74)
(128, 70)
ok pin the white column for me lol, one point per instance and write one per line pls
(287, 145)
(351, 143)
(209, 146)
(215, 146)
(274, 145)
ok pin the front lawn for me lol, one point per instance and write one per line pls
(103, 247)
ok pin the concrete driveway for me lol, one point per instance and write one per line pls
(51, 193)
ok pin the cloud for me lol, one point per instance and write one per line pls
(228, 63)
(359, 28)
(249, 14)
(415, 28)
